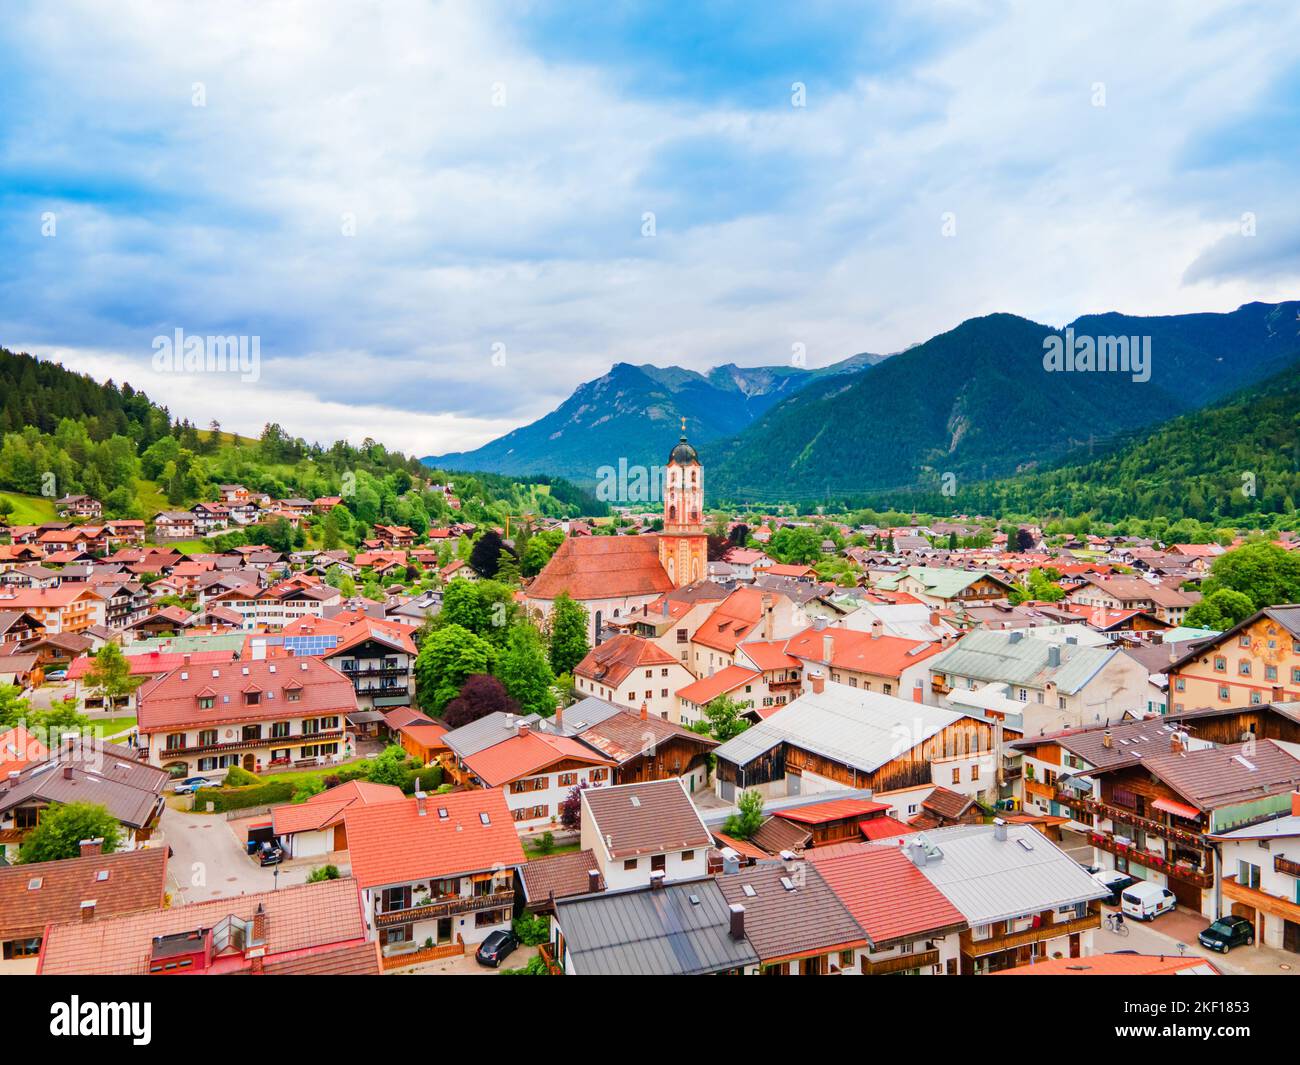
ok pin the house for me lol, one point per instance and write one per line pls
(1059, 685)
(1256, 661)
(315, 828)
(640, 831)
(70, 608)
(795, 921)
(93, 887)
(422, 739)
(163, 621)
(534, 764)
(394, 536)
(836, 737)
(558, 876)
(278, 605)
(868, 660)
(1259, 876)
(738, 683)
(1022, 896)
(436, 872)
(83, 770)
(78, 507)
(18, 626)
(941, 587)
(910, 925)
(1166, 602)
(640, 746)
(631, 672)
(19, 749)
(198, 719)
(746, 614)
(379, 660)
(687, 928)
(305, 930)
(176, 524)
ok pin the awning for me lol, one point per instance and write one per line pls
(1176, 808)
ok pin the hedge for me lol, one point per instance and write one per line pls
(226, 799)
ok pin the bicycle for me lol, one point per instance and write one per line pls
(1115, 923)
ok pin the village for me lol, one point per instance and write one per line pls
(937, 748)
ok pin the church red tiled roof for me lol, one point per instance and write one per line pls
(603, 567)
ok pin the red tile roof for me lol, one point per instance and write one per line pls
(732, 620)
(890, 897)
(603, 567)
(725, 680)
(874, 828)
(885, 656)
(394, 844)
(1114, 965)
(19, 749)
(526, 754)
(136, 880)
(611, 661)
(171, 701)
(328, 807)
(153, 663)
(831, 810)
(770, 655)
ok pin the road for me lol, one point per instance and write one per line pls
(1165, 933)
(208, 862)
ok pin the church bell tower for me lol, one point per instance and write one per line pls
(683, 545)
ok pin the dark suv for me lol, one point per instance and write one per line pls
(1226, 933)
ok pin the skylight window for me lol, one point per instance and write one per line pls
(748, 889)
(787, 883)
(1249, 765)
(636, 800)
(485, 819)
(34, 884)
(1025, 844)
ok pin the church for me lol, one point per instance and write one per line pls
(612, 575)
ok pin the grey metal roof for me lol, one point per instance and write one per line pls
(587, 712)
(682, 929)
(988, 879)
(1015, 658)
(852, 726)
(488, 732)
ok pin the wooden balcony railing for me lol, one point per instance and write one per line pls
(1047, 930)
(1261, 900)
(1286, 865)
(901, 963)
(446, 907)
(547, 951)
(1129, 817)
(246, 745)
(1181, 870)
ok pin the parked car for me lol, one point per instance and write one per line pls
(496, 948)
(1115, 882)
(1226, 933)
(1145, 902)
(269, 854)
(190, 784)
(57, 674)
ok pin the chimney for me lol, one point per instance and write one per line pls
(419, 802)
(935, 619)
(657, 880)
(1106, 740)
(92, 846)
(737, 921)
(1054, 656)
(730, 861)
(67, 772)
(817, 681)
(523, 728)
(185, 660)
(918, 693)
(917, 853)
(1015, 636)
(88, 910)
(877, 629)
(593, 880)
(828, 647)
(1176, 745)
(645, 711)
(259, 924)
(559, 715)
(999, 830)
(767, 616)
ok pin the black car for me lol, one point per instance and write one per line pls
(496, 948)
(1227, 932)
(269, 854)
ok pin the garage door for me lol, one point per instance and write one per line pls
(1291, 936)
(1188, 895)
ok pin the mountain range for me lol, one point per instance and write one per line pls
(635, 413)
(976, 402)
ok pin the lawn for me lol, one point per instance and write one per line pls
(113, 725)
(533, 852)
(30, 510)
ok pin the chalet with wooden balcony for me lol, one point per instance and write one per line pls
(256, 714)
(1260, 876)
(1150, 809)
(378, 658)
(1022, 897)
(437, 872)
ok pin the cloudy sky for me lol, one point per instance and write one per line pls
(438, 218)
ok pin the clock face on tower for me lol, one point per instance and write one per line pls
(683, 545)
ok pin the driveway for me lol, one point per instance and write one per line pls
(209, 862)
(465, 965)
(1164, 935)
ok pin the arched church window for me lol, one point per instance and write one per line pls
(672, 513)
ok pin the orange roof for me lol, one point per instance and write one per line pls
(611, 661)
(874, 828)
(1114, 965)
(393, 843)
(885, 656)
(770, 655)
(732, 620)
(525, 754)
(781, 569)
(425, 734)
(831, 810)
(327, 808)
(726, 680)
(888, 895)
(19, 749)
(603, 567)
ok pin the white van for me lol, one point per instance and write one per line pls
(1145, 901)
